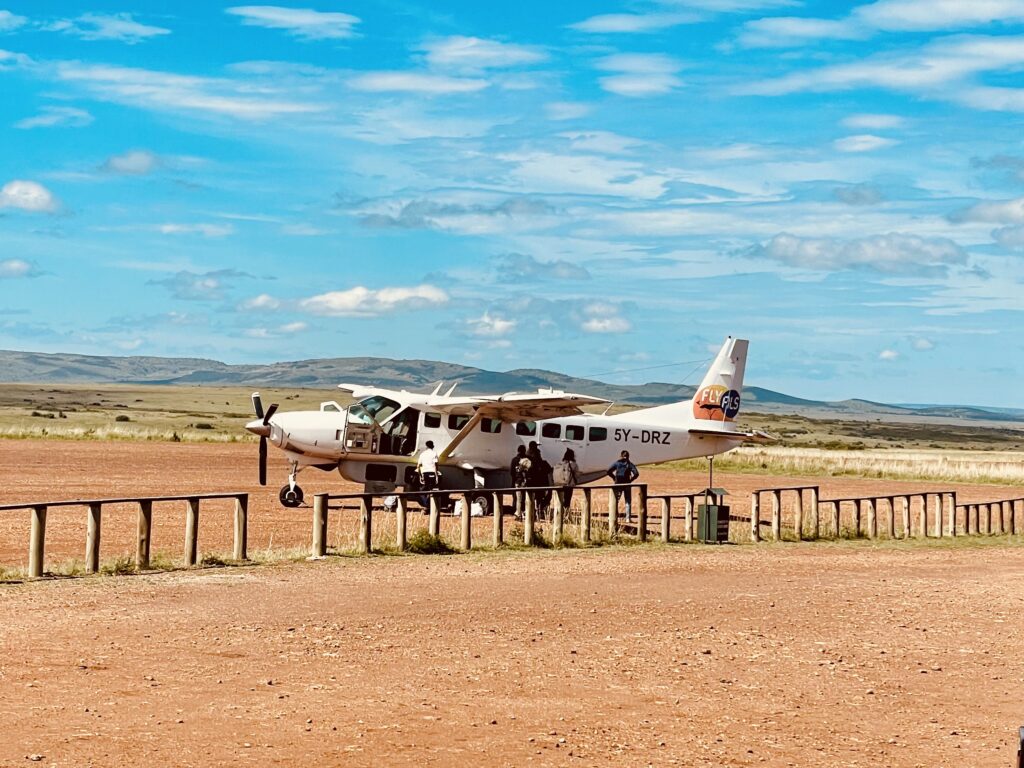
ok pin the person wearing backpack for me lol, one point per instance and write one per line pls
(566, 473)
(624, 472)
(537, 476)
(519, 469)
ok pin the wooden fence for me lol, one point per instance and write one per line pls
(37, 538)
(897, 515)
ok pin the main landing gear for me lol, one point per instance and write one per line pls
(290, 494)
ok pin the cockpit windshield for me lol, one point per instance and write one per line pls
(371, 409)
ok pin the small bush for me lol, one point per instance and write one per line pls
(39, 415)
(118, 567)
(213, 561)
(203, 425)
(424, 543)
(122, 417)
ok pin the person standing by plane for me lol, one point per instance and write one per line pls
(426, 465)
(624, 472)
(519, 469)
(537, 476)
(566, 473)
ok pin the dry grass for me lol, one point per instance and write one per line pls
(997, 467)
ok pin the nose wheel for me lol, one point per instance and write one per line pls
(290, 496)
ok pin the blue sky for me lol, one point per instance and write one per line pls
(584, 187)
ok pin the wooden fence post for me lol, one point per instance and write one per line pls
(92, 538)
(1013, 517)
(939, 515)
(641, 518)
(191, 532)
(755, 517)
(951, 505)
(833, 509)
(688, 518)
(320, 501)
(812, 498)
(922, 517)
(613, 512)
(365, 524)
(905, 516)
(242, 527)
(529, 513)
(585, 516)
(557, 516)
(499, 519)
(145, 527)
(666, 519)
(776, 515)
(872, 518)
(37, 543)
(401, 525)
(798, 515)
(467, 523)
(890, 521)
(971, 513)
(999, 518)
(434, 524)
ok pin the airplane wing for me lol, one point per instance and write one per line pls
(741, 437)
(535, 406)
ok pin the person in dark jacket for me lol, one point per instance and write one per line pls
(624, 472)
(519, 470)
(538, 475)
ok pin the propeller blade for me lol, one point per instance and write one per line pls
(270, 412)
(263, 461)
(257, 405)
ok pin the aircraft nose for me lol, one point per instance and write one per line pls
(257, 427)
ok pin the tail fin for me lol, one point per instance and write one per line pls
(717, 397)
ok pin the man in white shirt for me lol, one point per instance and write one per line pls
(426, 465)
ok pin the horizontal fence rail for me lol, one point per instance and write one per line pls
(144, 527)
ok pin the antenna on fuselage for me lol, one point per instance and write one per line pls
(437, 388)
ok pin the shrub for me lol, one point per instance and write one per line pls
(122, 417)
(203, 425)
(424, 543)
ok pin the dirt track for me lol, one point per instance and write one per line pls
(780, 655)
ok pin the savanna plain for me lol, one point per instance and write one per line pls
(831, 653)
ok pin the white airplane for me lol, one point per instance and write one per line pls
(376, 440)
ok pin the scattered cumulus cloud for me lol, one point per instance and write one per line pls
(603, 317)
(893, 253)
(135, 162)
(611, 23)
(864, 142)
(206, 230)
(365, 302)
(517, 267)
(415, 82)
(873, 121)
(888, 355)
(431, 214)
(303, 23)
(288, 329)
(1010, 237)
(207, 286)
(490, 326)
(922, 344)
(639, 75)
(51, 117)
(27, 196)
(915, 16)
(992, 211)
(474, 54)
(10, 21)
(98, 26)
(14, 268)
(566, 110)
(859, 194)
(262, 302)
(787, 31)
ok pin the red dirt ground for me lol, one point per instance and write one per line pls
(848, 654)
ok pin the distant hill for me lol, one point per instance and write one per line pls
(327, 373)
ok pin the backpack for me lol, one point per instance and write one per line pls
(522, 469)
(622, 471)
(563, 474)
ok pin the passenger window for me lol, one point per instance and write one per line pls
(492, 426)
(573, 432)
(455, 421)
(432, 420)
(551, 430)
(597, 434)
(526, 428)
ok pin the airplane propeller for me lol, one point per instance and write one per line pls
(257, 405)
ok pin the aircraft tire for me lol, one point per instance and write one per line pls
(290, 498)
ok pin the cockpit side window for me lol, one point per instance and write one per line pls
(379, 407)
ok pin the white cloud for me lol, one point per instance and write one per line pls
(263, 301)
(206, 230)
(587, 174)
(566, 110)
(602, 142)
(864, 142)
(603, 317)
(304, 23)
(785, 31)
(490, 326)
(364, 302)
(12, 268)
(922, 344)
(295, 327)
(97, 26)
(10, 21)
(873, 121)
(27, 196)
(474, 54)
(888, 354)
(135, 162)
(633, 22)
(914, 15)
(10, 60)
(50, 117)
(993, 212)
(303, 230)
(1010, 237)
(639, 74)
(893, 253)
(165, 91)
(415, 82)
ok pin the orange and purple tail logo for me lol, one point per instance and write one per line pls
(716, 403)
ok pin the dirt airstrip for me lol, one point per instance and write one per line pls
(823, 654)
